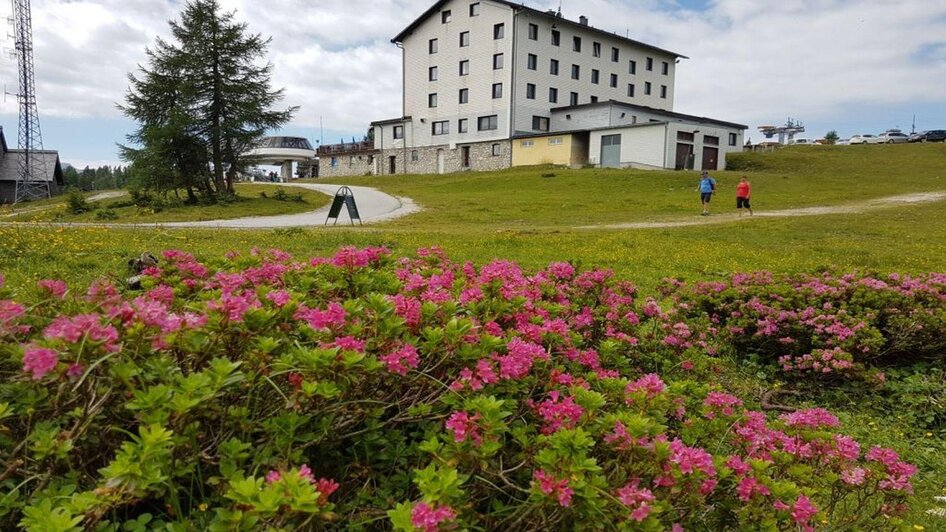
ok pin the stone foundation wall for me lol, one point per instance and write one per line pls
(423, 160)
(347, 165)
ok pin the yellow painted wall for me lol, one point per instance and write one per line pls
(542, 152)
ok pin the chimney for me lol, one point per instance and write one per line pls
(583, 20)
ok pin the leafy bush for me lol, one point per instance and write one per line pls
(262, 392)
(75, 202)
(106, 215)
(825, 325)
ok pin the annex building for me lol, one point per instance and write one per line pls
(10, 170)
(491, 84)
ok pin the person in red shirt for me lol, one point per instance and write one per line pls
(743, 192)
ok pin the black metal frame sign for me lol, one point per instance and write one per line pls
(345, 197)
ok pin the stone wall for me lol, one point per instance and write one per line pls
(347, 164)
(423, 160)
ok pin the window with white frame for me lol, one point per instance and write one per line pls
(527, 143)
(553, 67)
(532, 62)
(540, 123)
(432, 46)
(615, 54)
(440, 128)
(614, 80)
(432, 100)
(445, 16)
(464, 96)
(465, 67)
(463, 125)
(432, 73)
(464, 39)
(556, 141)
(497, 150)
(553, 95)
(398, 132)
(530, 91)
(497, 90)
(499, 31)
(475, 9)
(533, 32)
(497, 61)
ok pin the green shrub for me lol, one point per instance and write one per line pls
(106, 215)
(75, 202)
(267, 393)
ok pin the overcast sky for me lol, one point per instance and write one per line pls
(850, 65)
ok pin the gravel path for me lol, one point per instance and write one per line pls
(855, 208)
(373, 206)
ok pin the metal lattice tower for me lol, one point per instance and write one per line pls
(32, 182)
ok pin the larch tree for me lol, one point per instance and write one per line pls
(203, 101)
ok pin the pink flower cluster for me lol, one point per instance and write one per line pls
(649, 386)
(464, 426)
(429, 518)
(898, 472)
(719, 403)
(402, 360)
(558, 412)
(326, 487)
(637, 499)
(83, 327)
(558, 488)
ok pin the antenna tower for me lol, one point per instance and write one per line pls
(32, 182)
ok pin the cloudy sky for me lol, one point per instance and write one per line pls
(849, 65)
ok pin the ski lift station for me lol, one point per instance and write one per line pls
(283, 151)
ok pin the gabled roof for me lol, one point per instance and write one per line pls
(520, 7)
(10, 166)
(654, 110)
(10, 163)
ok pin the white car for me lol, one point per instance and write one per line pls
(862, 139)
(843, 142)
(801, 142)
(892, 137)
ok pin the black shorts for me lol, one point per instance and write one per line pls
(743, 202)
(706, 196)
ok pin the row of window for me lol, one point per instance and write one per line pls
(483, 123)
(463, 95)
(499, 32)
(433, 73)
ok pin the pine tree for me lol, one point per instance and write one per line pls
(204, 101)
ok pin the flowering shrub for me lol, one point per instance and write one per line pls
(265, 392)
(827, 325)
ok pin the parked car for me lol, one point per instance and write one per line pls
(801, 142)
(842, 142)
(916, 137)
(892, 137)
(933, 135)
(861, 139)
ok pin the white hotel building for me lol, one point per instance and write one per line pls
(489, 84)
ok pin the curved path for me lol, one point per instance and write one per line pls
(853, 208)
(373, 206)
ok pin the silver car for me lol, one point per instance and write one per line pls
(892, 137)
(862, 139)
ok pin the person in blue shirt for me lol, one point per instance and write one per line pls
(707, 189)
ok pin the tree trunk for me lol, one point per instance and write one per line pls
(215, 118)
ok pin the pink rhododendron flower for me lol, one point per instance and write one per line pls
(72, 329)
(349, 343)
(75, 370)
(53, 287)
(650, 384)
(750, 486)
(636, 498)
(557, 488)
(279, 297)
(721, 403)
(559, 412)
(854, 477)
(803, 510)
(332, 317)
(429, 518)
(402, 360)
(39, 361)
(273, 476)
(464, 426)
(10, 312)
(326, 487)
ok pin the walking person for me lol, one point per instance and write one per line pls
(743, 192)
(707, 188)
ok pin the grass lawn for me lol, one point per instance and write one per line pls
(249, 202)
(520, 215)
